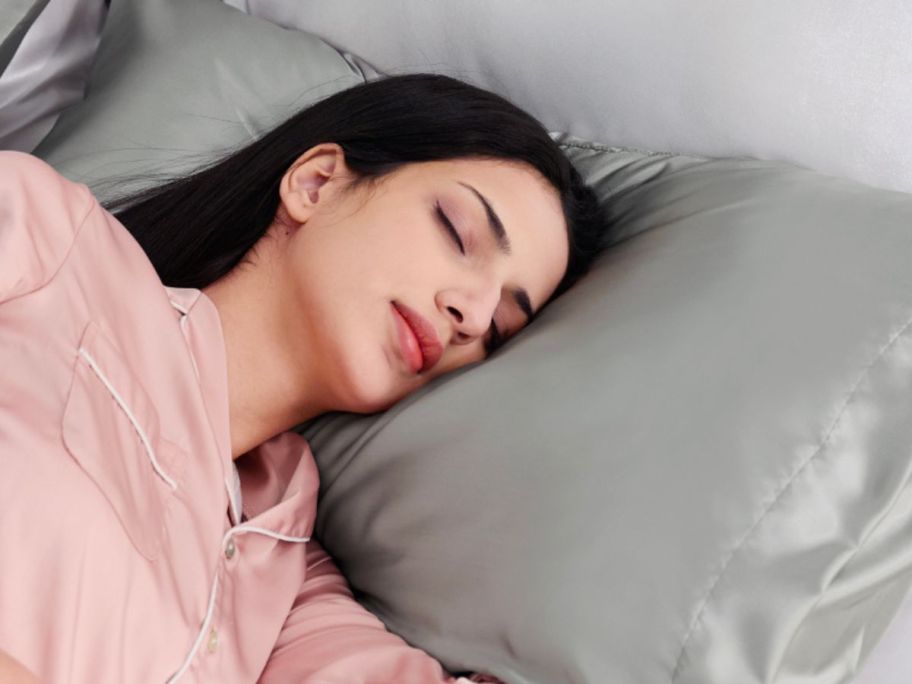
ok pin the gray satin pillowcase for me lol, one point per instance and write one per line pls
(177, 83)
(691, 468)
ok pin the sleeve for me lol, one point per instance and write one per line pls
(330, 638)
(40, 215)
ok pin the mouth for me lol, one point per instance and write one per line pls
(418, 339)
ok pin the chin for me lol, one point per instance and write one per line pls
(379, 397)
(371, 392)
(361, 405)
(367, 377)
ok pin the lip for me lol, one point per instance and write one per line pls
(425, 335)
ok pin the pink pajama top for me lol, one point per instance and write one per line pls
(131, 548)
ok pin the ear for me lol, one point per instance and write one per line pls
(312, 180)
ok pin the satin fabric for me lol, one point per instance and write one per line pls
(121, 556)
(693, 468)
(48, 70)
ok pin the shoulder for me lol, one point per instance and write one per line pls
(27, 180)
(41, 212)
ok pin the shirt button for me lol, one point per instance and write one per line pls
(230, 548)
(212, 645)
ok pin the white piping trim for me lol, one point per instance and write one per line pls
(120, 402)
(199, 637)
(269, 533)
(183, 327)
(212, 592)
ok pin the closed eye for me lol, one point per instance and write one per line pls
(448, 225)
(495, 341)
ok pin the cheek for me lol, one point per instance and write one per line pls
(363, 373)
(458, 357)
(418, 246)
(346, 283)
(362, 361)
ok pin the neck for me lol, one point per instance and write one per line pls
(266, 377)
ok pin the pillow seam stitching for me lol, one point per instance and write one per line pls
(785, 487)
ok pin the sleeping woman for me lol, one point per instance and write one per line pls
(156, 506)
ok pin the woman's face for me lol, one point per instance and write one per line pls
(353, 262)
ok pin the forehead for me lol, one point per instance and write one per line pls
(500, 176)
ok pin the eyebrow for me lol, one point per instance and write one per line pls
(495, 225)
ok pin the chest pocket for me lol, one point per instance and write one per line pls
(111, 428)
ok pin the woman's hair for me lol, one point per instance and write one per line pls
(196, 228)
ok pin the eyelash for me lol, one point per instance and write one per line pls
(448, 225)
(496, 339)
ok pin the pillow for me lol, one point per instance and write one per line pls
(691, 468)
(44, 64)
(177, 83)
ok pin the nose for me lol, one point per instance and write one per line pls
(470, 309)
